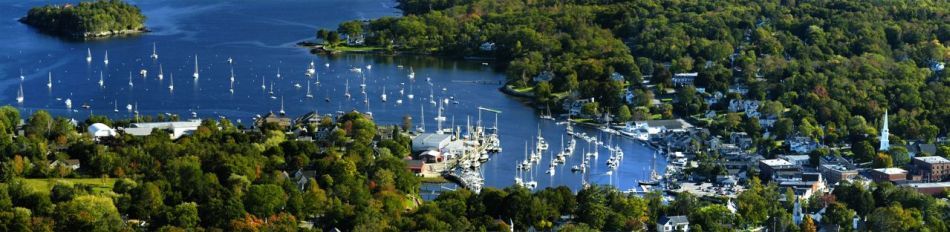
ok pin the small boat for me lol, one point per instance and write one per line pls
(69, 103)
(282, 112)
(412, 74)
(347, 91)
(154, 52)
(85, 106)
(356, 70)
(105, 60)
(161, 72)
(130, 80)
(22, 77)
(410, 96)
(102, 82)
(230, 61)
(196, 67)
(369, 67)
(88, 55)
(128, 107)
(398, 101)
(232, 88)
(297, 85)
(384, 94)
(311, 69)
(143, 72)
(19, 96)
(49, 83)
(309, 95)
(326, 65)
(263, 83)
(232, 74)
(115, 106)
(271, 92)
(171, 83)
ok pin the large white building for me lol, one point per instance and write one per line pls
(177, 128)
(99, 130)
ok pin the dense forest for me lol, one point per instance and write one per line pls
(86, 19)
(223, 177)
(828, 70)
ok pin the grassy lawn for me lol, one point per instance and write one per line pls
(529, 89)
(45, 185)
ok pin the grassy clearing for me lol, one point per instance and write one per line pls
(344, 48)
(45, 185)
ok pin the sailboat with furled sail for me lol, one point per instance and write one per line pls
(105, 60)
(88, 55)
(171, 82)
(384, 94)
(161, 73)
(309, 95)
(19, 96)
(49, 83)
(196, 67)
(102, 81)
(154, 52)
(130, 80)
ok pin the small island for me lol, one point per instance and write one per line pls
(101, 18)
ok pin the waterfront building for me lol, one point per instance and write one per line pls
(177, 129)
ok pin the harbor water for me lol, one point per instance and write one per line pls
(257, 40)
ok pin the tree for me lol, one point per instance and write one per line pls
(351, 28)
(808, 225)
(838, 214)
(88, 213)
(147, 201)
(542, 92)
(894, 218)
(591, 109)
(184, 215)
(264, 200)
(623, 114)
(333, 38)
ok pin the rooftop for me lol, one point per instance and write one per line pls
(929, 185)
(166, 125)
(891, 171)
(933, 159)
(674, 220)
(776, 162)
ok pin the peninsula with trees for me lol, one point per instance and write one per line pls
(101, 18)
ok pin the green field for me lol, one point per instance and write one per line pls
(45, 185)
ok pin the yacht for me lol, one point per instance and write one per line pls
(311, 69)
(49, 83)
(232, 74)
(278, 73)
(143, 72)
(171, 82)
(105, 60)
(128, 107)
(282, 112)
(115, 106)
(102, 82)
(69, 103)
(130, 80)
(230, 61)
(22, 77)
(264, 83)
(384, 94)
(412, 74)
(88, 55)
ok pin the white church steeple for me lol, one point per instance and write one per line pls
(885, 144)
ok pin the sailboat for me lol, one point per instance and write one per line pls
(154, 52)
(88, 55)
(271, 92)
(410, 96)
(422, 117)
(196, 67)
(309, 95)
(311, 69)
(69, 103)
(278, 73)
(143, 72)
(412, 74)
(130, 80)
(22, 77)
(106, 59)
(115, 106)
(347, 90)
(19, 95)
(264, 83)
(384, 94)
(282, 112)
(128, 107)
(171, 82)
(431, 95)
(161, 73)
(230, 61)
(49, 83)
(232, 74)
(101, 81)
(232, 87)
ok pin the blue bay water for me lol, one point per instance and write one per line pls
(260, 37)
